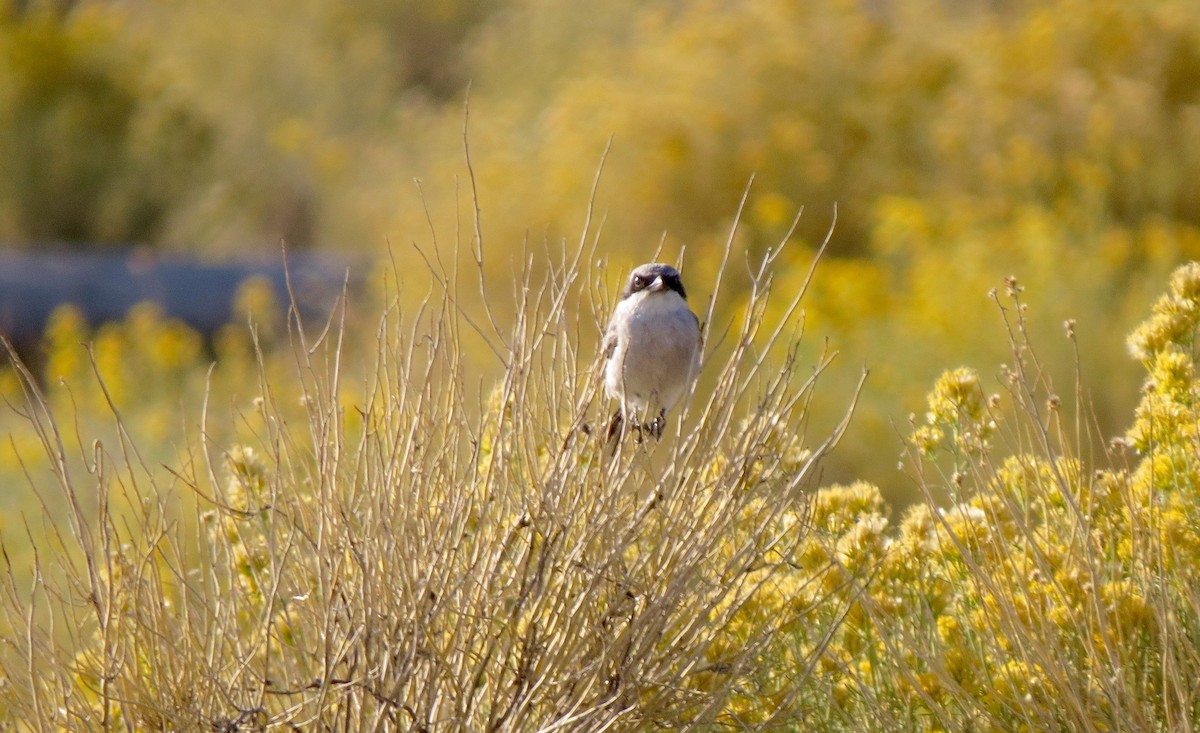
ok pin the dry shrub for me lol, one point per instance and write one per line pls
(405, 560)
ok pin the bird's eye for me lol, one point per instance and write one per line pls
(639, 282)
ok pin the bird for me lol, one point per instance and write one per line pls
(652, 350)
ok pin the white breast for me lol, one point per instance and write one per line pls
(657, 352)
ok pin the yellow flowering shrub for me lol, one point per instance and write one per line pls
(1046, 596)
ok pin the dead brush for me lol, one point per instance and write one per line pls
(425, 554)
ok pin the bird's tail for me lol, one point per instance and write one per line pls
(616, 429)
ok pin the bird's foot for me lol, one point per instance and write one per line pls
(656, 426)
(640, 430)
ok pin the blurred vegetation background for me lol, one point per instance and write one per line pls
(1057, 141)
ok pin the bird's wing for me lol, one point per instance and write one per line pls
(610, 342)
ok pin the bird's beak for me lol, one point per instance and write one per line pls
(657, 285)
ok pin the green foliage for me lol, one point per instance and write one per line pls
(210, 125)
(91, 154)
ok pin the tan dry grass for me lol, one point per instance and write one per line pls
(403, 560)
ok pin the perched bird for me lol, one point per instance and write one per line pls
(652, 348)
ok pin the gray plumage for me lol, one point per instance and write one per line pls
(652, 347)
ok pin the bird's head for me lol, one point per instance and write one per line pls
(654, 277)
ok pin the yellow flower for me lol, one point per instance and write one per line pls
(1174, 320)
(861, 547)
(1185, 282)
(966, 529)
(66, 332)
(957, 409)
(1128, 608)
(837, 508)
(1016, 684)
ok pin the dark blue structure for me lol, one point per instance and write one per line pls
(105, 285)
